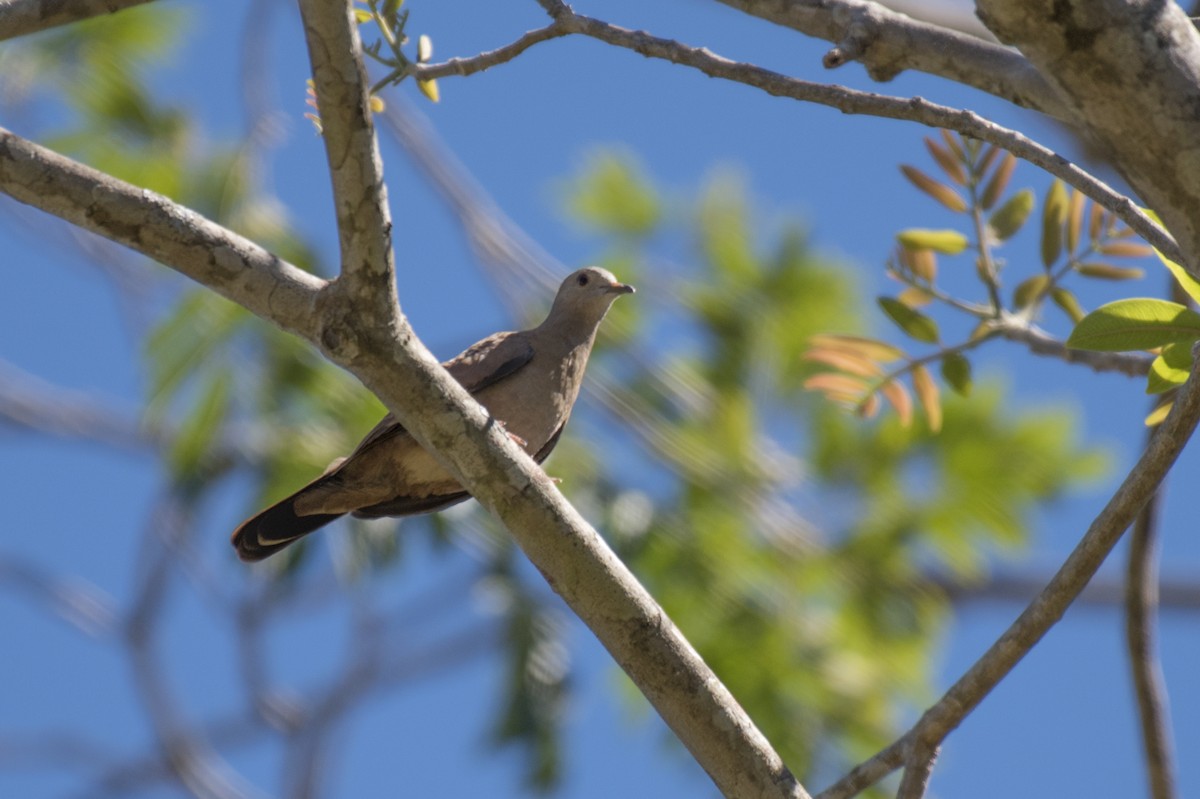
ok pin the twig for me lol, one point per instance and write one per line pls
(22, 17)
(1141, 608)
(1132, 364)
(1044, 611)
(917, 769)
(489, 59)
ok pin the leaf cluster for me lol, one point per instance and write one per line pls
(1077, 239)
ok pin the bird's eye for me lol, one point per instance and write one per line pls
(582, 280)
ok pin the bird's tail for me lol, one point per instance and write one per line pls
(269, 531)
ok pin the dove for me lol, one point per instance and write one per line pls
(527, 380)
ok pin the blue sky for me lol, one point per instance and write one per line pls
(1062, 723)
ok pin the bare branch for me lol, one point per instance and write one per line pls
(888, 42)
(851, 101)
(1141, 609)
(1044, 611)
(22, 17)
(489, 59)
(917, 769)
(80, 604)
(178, 237)
(1041, 343)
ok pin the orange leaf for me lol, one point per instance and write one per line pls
(851, 362)
(867, 348)
(929, 396)
(898, 395)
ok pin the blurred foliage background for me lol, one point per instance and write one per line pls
(799, 548)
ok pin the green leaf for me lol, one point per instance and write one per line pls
(914, 323)
(1009, 217)
(1054, 214)
(192, 443)
(1135, 324)
(956, 371)
(947, 242)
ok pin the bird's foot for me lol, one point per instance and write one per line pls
(516, 438)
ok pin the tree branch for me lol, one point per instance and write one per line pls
(1044, 611)
(1133, 364)
(359, 196)
(851, 101)
(22, 17)
(1141, 609)
(234, 267)
(887, 43)
(489, 59)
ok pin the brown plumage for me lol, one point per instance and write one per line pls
(528, 380)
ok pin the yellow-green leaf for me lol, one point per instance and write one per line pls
(429, 88)
(1109, 272)
(1170, 369)
(947, 242)
(914, 323)
(1031, 290)
(956, 371)
(362, 16)
(1188, 283)
(1156, 416)
(915, 297)
(938, 191)
(1065, 300)
(1054, 213)
(1009, 218)
(1135, 324)
(929, 396)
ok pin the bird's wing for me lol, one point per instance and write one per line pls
(489, 361)
(483, 364)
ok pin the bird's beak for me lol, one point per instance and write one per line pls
(621, 288)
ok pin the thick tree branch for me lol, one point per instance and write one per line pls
(22, 17)
(1130, 70)
(888, 42)
(1044, 611)
(359, 195)
(1141, 609)
(851, 101)
(234, 267)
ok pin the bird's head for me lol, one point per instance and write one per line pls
(585, 295)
